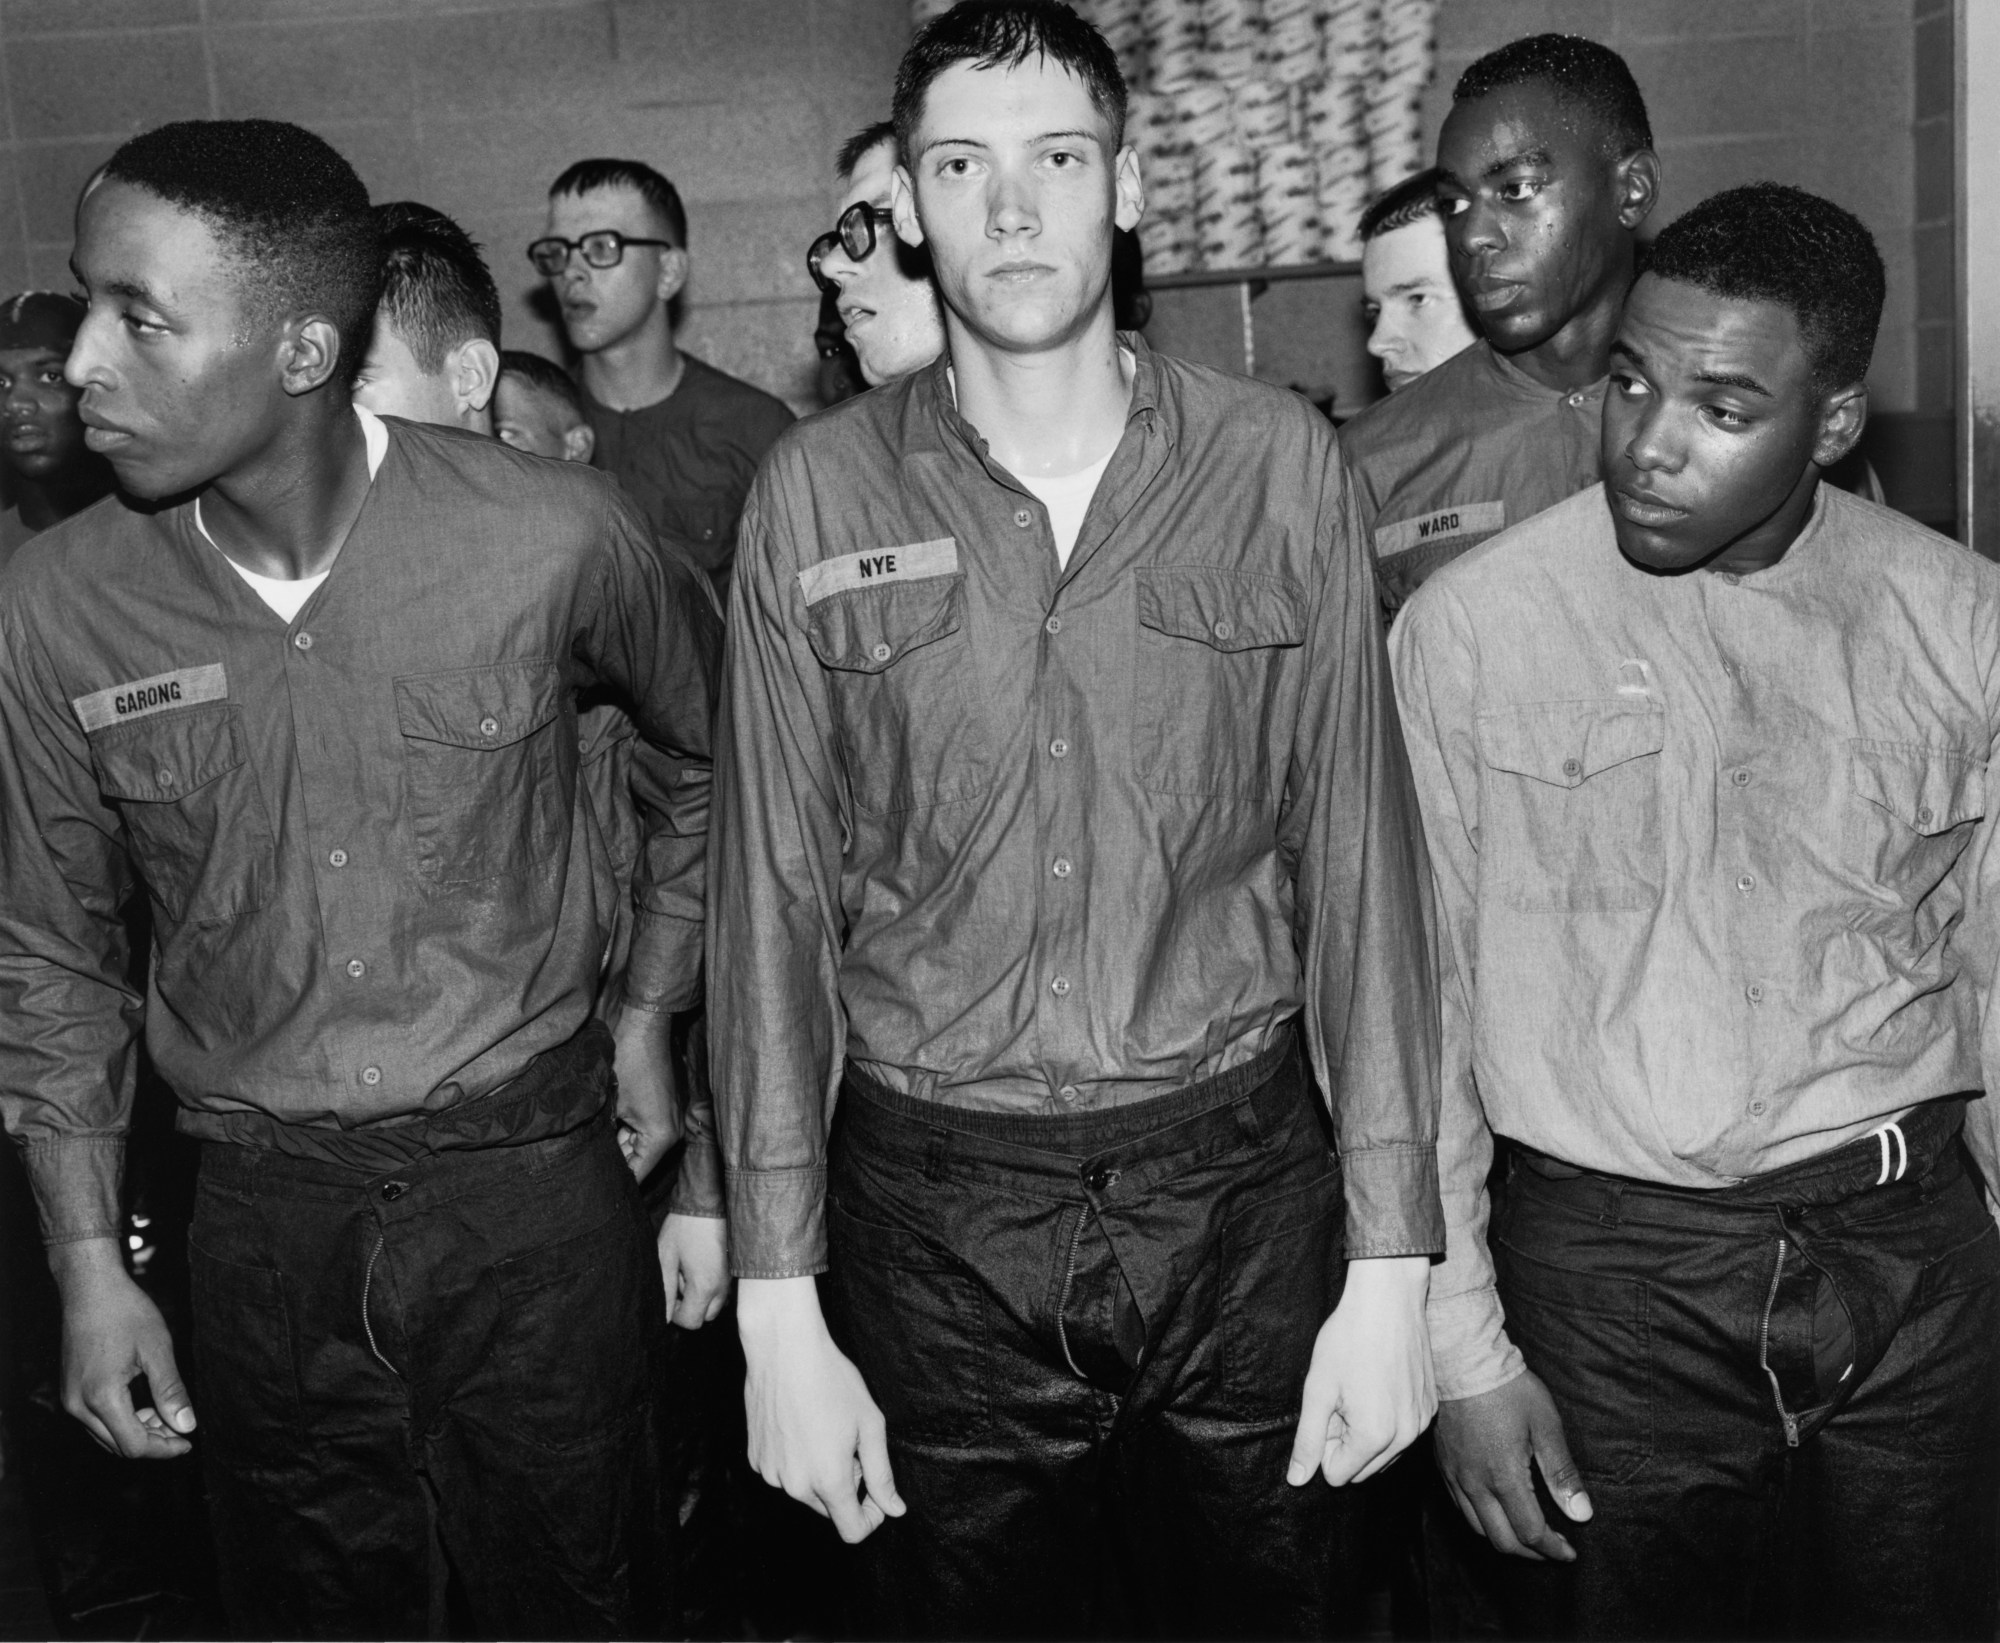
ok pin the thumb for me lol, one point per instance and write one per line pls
(170, 1395)
(1559, 1471)
(873, 1447)
(1309, 1443)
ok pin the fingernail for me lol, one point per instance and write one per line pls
(1296, 1474)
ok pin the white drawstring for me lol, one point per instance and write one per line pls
(1902, 1151)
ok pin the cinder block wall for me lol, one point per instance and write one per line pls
(1820, 93)
(473, 106)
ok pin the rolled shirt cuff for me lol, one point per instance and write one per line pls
(77, 1181)
(663, 972)
(777, 1222)
(698, 1188)
(1393, 1206)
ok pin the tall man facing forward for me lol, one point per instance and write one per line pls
(1707, 758)
(434, 355)
(682, 437)
(882, 287)
(321, 708)
(50, 472)
(1415, 318)
(1546, 170)
(1063, 813)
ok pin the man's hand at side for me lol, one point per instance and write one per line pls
(814, 1430)
(1484, 1446)
(694, 1261)
(112, 1333)
(649, 1087)
(1370, 1392)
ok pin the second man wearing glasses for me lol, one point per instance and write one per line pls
(682, 437)
(887, 302)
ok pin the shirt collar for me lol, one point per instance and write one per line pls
(1515, 381)
(936, 424)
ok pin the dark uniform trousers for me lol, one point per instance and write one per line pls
(1089, 1335)
(448, 1363)
(1782, 1395)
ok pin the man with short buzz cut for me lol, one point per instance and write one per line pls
(311, 683)
(1061, 817)
(682, 437)
(435, 352)
(1545, 172)
(49, 472)
(882, 287)
(1415, 319)
(538, 408)
(1708, 763)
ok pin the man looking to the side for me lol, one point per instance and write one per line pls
(882, 287)
(1707, 759)
(315, 693)
(435, 352)
(538, 408)
(1546, 170)
(682, 437)
(50, 472)
(1062, 815)
(1415, 319)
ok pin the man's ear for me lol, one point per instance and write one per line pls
(1843, 414)
(309, 352)
(580, 443)
(674, 268)
(1638, 187)
(473, 371)
(903, 206)
(1131, 188)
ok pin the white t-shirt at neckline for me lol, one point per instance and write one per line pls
(1067, 498)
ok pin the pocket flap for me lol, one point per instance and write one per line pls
(868, 629)
(479, 706)
(1229, 610)
(158, 760)
(1566, 743)
(1928, 790)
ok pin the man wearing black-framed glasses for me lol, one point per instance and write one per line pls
(881, 286)
(682, 437)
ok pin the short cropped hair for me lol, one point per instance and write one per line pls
(284, 203)
(588, 176)
(436, 288)
(864, 142)
(1585, 75)
(1005, 34)
(543, 374)
(1769, 242)
(1411, 200)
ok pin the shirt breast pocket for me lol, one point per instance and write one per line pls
(1569, 808)
(482, 762)
(1209, 668)
(899, 668)
(192, 809)
(1919, 805)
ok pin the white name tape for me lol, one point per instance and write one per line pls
(1466, 519)
(909, 563)
(104, 708)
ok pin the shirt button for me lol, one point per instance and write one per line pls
(336, 858)
(356, 968)
(1061, 869)
(880, 653)
(1060, 986)
(371, 1076)
(1059, 748)
(304, 641)
(583, 744)
(1023, 518)
(1756, 1109)
(1223, 630)
(1576, 398)
(1754, 992)
(1740, 777)
(164, 776)
(1068, 1092)
(489, 726)
(1053, 625)
(1572, 768)
(1747, 883)
(1925, 815)
(392, 1190)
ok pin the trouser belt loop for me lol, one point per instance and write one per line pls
(1613, 1212)
(937, 1155)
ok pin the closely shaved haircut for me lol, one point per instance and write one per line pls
(1411, 200)
(1587, 77)
(544, 375)
(436, 288)
(863, 143)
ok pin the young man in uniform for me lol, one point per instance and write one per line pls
(50, 472)
(1546, 170)
(315, 693)
(1062, 816)
(1415, 319)
(1707, 758)
(682, 437)
(882, 288)
(434, 355)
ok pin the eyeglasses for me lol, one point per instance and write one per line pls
(854, 234)
(603, 249)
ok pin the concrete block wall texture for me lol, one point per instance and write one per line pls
(474, 106)
(1819, 93)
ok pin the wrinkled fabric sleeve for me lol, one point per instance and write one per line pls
(1976, 938)
(1435, 668)
(1350, 829)
(776, 1024)
(68, 1046)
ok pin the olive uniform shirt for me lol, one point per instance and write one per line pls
(1465, 451)
(376, 896)
(1034, 838)
(1715, 857)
